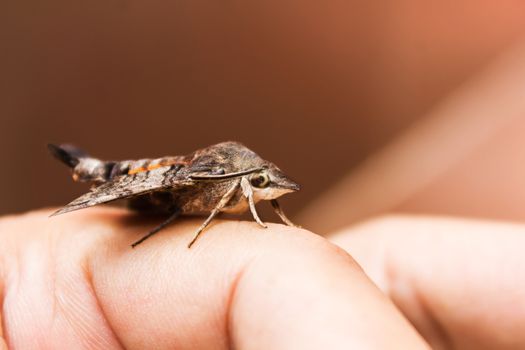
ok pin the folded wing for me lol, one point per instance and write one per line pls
(127, 186)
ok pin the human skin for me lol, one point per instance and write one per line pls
(74, 282)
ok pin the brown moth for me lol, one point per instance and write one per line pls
(226, 177)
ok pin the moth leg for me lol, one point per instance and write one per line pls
(168, 221)
(248, 193)
(279, 211)
(203, 226)
(222, 203)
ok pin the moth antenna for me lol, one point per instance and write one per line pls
(67, 154)
(225, 176)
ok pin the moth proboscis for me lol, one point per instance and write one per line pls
(226, 177)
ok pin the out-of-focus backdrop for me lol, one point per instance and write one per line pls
(323, 89)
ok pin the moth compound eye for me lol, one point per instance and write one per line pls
(260, 180)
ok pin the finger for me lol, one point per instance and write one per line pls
(239, 286)
(461, 282)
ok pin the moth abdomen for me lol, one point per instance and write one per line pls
(67, 154)
(85, 168)
(91, 169)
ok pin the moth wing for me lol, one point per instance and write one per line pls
(126, 186)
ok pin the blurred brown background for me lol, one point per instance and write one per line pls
(316, 87)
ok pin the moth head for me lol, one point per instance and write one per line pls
(271, 183)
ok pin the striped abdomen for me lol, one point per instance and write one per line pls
(88, 169)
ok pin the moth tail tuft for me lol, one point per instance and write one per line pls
(67, 154)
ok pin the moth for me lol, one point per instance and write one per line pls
(226, 177)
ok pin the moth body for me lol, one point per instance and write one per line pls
(226, 177)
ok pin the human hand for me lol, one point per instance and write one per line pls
(73, 282)
(460, 282)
